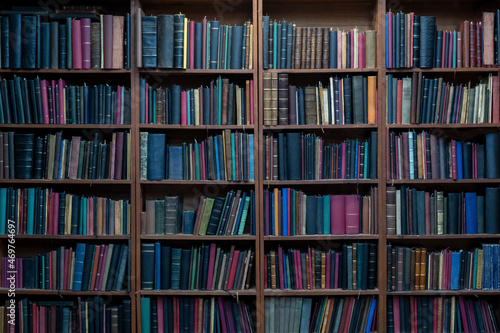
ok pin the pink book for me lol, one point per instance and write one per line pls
(210, 277)
(352, 214)
(427, 213)
(196, 306)
(311, 285)
(54, 115)
(191, 44)
(232, 273)
(55, 213)
(337, 213)
(85, 27)
(390, 39)
(397, 317)
(204, 45)
(344, 157)
(120, 137)
(118, 105)
(147, 103)
(495, 115)
(281, 268)
(222, 314)
(463, 314)
(351, 37)
(328, 268)
(102, 267)
(443, 55)
(107, 28)
(424, 137)
(459, 49)
(336, 281)
(159, 307)
(183, 108)
(176, 311)
(62, 106)
(450, 50)
(45, 101)
(251, 102)
(76, 35)
(349, 314)
(339, 49)
(230, 319)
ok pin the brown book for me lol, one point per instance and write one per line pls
(419, 92)
(249, 273)
(228, 154)
(298, 48)
(374, 192)
(472, 44)
(354, 265)
(274, 98)
(283, 99)
(248, 48)
(464, 29)
(371, 48)
(391, 210)
(436, 109)
(326, 47)
(313, 49)
(310, 105)
(118, 23)
(94, 267)
(366, 216)
(319, 47)
(488, 39)
(225, 95)
(268, 103)
(323, 267)
(247, 102)
(308, 47)
(423, 268)
(150, 217)
(303, 55)
(95, 45)
(400, 265)
(308, 271)
(143, 222)
(273, 269)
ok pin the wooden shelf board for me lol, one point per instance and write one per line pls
(441, 181)
(443, 126)
(194, 182)
(319, 292)
(323, 70)
(66, 181)
(322, 127)
(198, 238)
(233, 293)
(65, 126)
(463, 292)
(267, 183)
(154, 71)
(66, 71)
(442, 237)
(444, 70)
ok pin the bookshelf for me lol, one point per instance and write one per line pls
(139, 191)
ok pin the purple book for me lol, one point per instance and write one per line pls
(76, 35)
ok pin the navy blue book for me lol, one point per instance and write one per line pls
(492, 152)
(198, 44)
(265, 42)
(62, 46)
(45, 45)
(24, 154)
(165, 41)
(357, 99)
(402, 49)
(175, 165)
(439, 50)
(301, 104)
(427, 40)
(147, 266)
(396, 41)
(236, 47)
(416, 41)
(214, 44)
(294, 160)
(149, 42)
(176, 105)
(348, 50)
(156, 156)
(289, 41)
(453, 218)
(188, 219)
(311, 215)
(185, 258)
(54, 45)
(5, 42)
(492, 210)
(348, 113)
(14, 41)
(333, 49)
(165, 267)
(372, 161)
(142, 101)
(28, 41)
(467, 160)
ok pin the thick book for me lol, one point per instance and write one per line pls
(149, 42)
(427, 41)
(156, 156)
(165, 41)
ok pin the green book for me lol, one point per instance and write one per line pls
(209, 203)
(69, 44)
(145, 315)
(233, 154)
(160, 217)
(326, 215)
(244, 215)
(106, 266)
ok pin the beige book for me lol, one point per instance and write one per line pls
(371, 48)
(118, 24)
(106, 266)
(118, 218)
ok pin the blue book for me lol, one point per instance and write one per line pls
(78, 270)
(251, 175)
(236, 47)
(127, 43)
(3, 210)
(471, 213)
(421, 212)
(301, 106)
(176, 105)
(326, 215)
(165, 41)
(62, 47)
(198, 44)
(188, 219)
(165, 267)
(265, 42)
(305, 316)
(427, 40)
(416, 41)
(28, 41)
(142, 101)
(175, 163)
(460, 162)
(284, 214)
(454, 52)
(15, 37)
(5, 49)
(275, 45)
(289, 41)
(370, 316)
(455, 269)
(157, 266)
(156, 156)
(145, 315)
(333, 49)
(69, 43)
(492, 153)
(214, 44)
(149, 42)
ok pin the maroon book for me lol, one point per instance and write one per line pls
(76, 35)
(85, 29)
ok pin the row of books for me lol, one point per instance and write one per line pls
(233, 214)
(416, 212)
(353, 267)
(297, 156)
(287, 46)
(86, 268)
(174, 41)
(290, 212)
(228, 156)
(38, 101)
(440, 314)
(414, 41)
(26, 156)
(39, 211)
(206, 267)
(421, 100)
(335, 314)
(344, 100)
(220, 103)
(93, 313)
(419, 269)
(412, 155)
(29, 42)
(197, 315)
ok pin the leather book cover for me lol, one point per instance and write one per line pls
(86, 42)
(283, 99)
(107, 39)
(298, 48)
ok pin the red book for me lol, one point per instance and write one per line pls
(35, 319)
(459, 49)
(94, 267)
(222, 314)
(61, 84)
(183, 108)
(361, 50)
(349, 314)
(196, 320)
(54, 115)
(399, 103)
(76, 36)
(191, 44)
(45, 101)
(85, 28)
(397, 317)
(234, 266)
(107, 27)
(463, 314)
(118, 105)
(103, 267)
(204, 45)
(338, 214)
(352, 214)
(211, 264)
(159, 307)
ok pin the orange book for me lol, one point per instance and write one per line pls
(372, 99)
(94, 267)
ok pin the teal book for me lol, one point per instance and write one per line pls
(306, 315)
(31, 211)
(147, 266)
(145, 315)
(214, 44)
(275, 43)
(244, 215)
(3, 210)
(326, 215)
(69, 44)
(78, 270)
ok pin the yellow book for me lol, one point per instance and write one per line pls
(67, 215)
(344, 50)
(196, 106)
(185, 46)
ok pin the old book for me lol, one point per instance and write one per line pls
(274, 98)
(282, 99)
(371, 48)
